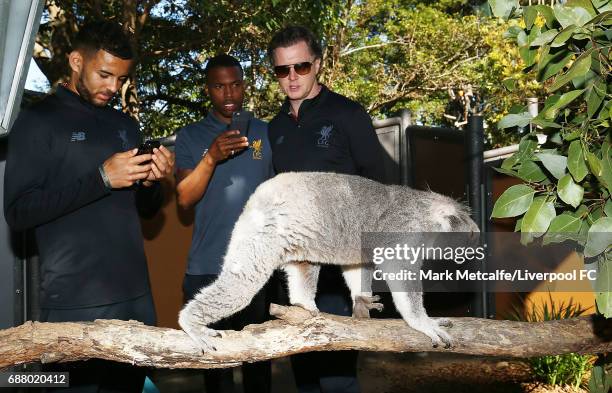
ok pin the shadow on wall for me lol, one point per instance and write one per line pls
(167, 239)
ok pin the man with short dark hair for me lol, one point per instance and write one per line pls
(72, 174)
(319, 130)
(217, 171)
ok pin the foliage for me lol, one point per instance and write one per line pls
(566, 369)
(569, 178)
(386, 54)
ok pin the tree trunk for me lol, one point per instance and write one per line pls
(297, 331)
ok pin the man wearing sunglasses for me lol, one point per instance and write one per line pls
(319, 130)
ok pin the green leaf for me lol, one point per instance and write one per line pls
(585, 4)
(506, 172)
(595, 96)
(544, 38)
(571, 16)
(564, 100)
(554, 63)
(529, 15)
(599, 237)
(527, 146)
(509, 163)
(576, 162)
(563, 227)
(514, 201)
(512, 120)
(594, 164)
(580, 67)
(548, 14)
(569, 192)
(563, 36)
(600, 381)
(608, 208)
(603, 290)
(503, 8)
(531, 172)
(528, 55)
(509, 84)
(517, 226)
(554, 163)
(512, 32)
(545, 123)
(606, 165)
(538, 216)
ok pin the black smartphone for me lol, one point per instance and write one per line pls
(240, 122)
(147, 147)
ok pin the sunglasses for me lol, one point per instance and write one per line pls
(303, 68)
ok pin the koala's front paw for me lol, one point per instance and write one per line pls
(363, 304)
(432, 328)
(198, 332)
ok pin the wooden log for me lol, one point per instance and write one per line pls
(296, 331)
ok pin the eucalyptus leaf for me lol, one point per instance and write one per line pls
(531, 172)
(586, 4)
(608, 208)
(594, 164)
(603, 294)
(555, 164)
(509, 84)
(563, 227)
(528, 55)
(538, 216)
(580, 67)
(503, 8)
(548, 13)
(576, 163)
(600, 381)
(545, 123)
(569, 192)
(506, 172)
(512, 32)
(606, 165)
(565, 99)
(513, 120)
(529, 15)
(596, 96)
(563, 36)
(555, 64)
(571, 15)
(599, 237)
(544, 38)
(514, 201)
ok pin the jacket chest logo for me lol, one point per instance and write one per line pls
(257, 147)
(324, 135)
(78, 136)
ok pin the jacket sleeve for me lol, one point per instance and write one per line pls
(366, 150)
(31, 197)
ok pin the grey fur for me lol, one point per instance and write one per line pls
(319, 218)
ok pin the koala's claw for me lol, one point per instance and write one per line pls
(363, 305)
(432, 329)
(199, 333)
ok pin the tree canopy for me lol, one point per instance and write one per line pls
(385, 54)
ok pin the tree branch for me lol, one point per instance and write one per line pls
(297, 331)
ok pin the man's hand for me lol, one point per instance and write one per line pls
(226, 145)
(162, 165)
(125, 168)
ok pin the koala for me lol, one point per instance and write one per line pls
(299, 221)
